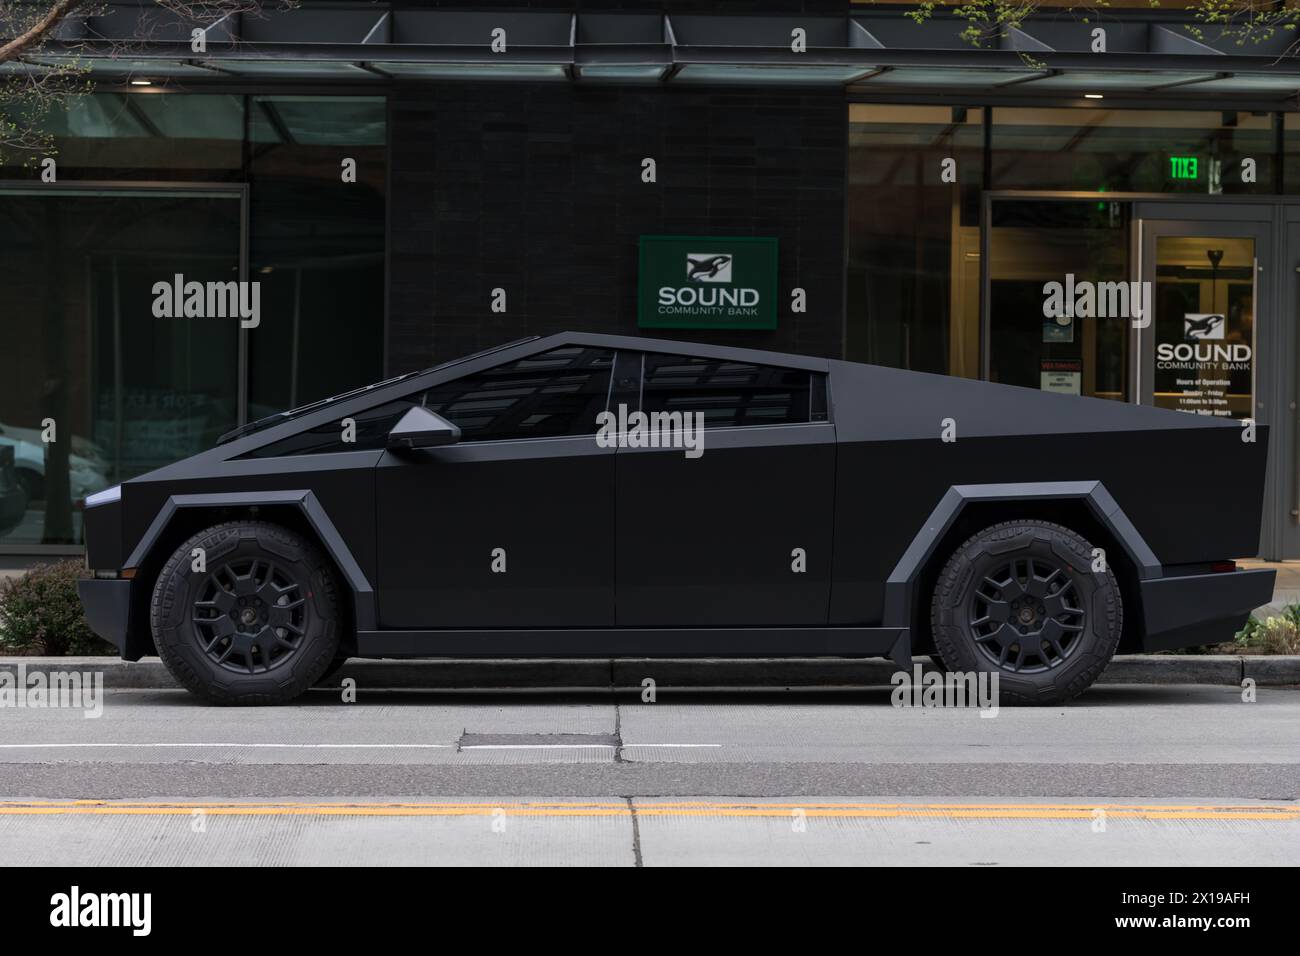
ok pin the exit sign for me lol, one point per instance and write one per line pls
(1183, 167)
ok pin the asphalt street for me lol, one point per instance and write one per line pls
(1129, 774)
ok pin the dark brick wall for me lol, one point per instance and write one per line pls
(536, 188)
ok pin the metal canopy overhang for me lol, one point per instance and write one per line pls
(879, 54)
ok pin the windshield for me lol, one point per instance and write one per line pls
(278, 417)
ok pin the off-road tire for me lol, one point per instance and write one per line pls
(182, 631)
(964, 608)
(336, 665)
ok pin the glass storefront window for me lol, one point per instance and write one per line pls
(1291, 152)
(78, 341)
(83, 352)
(1033, 244)
(317, 247)
(144, 137)
(913, 275)
(913, 221)
(1151, 151)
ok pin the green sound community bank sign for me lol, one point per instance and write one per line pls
(706, 282)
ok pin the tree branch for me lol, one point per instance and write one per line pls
(36, 32)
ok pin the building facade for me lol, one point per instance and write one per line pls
(1112, 214)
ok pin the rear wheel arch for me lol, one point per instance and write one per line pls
(1072, 511)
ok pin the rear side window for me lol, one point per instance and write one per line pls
(732, 394)
(554, 394)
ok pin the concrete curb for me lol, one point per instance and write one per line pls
(150, 674)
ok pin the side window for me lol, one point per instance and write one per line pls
(732, 393)
(557, 393)
(373, 426)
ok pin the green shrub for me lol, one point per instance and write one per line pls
(1248, 633)
(1280, 635)
(1276, 634)
(40, 613)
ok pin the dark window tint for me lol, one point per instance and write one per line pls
(730, 393)
(372, 428)
(817, 400)
(557, 393)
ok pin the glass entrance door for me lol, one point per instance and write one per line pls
(1197, 350)
(1213, 341)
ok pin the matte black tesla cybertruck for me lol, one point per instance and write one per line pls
(834, 509)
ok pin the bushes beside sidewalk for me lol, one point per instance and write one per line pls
(1275, 634)
(40, 613)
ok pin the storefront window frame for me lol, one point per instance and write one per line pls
(989, 196)
(232, 191)
(989, 193)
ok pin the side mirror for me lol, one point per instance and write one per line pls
(421, 428)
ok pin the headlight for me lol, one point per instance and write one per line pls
(105, 497)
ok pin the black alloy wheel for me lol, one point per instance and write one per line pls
(247, 612)
(1030, 602)
(250, 615)
(1025, 614)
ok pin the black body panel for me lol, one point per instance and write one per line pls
(890, 450)
(343, 483)
(645, 551)
(642, 642)
(1192, 609)
(108, 605)
(1173, 521)
(708, 542)
(547, 504)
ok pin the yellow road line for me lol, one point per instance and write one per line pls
(979, 811)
